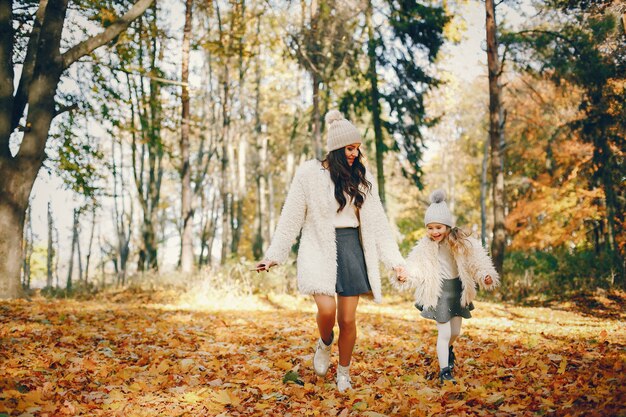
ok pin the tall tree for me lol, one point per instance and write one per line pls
(496, 136)
(50, 255)
(147, 147)
(322, 46)
(42, 68)
(583, 44)
(186, 246)
(399, 52)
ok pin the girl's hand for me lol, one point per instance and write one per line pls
(265, 265)
(401, 273)
(488, 280)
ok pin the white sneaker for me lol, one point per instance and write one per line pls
(343, 378)
(321, 360)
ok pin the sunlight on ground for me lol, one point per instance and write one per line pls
(133, 353)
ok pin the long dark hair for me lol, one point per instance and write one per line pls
(347, 179)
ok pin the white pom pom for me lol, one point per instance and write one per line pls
(333, 116)
(437, 196)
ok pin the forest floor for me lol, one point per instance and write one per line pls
(147, 354)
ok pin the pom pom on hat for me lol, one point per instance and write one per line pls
(333, 116)
(437, 196)
(438, 211)
(340, 132)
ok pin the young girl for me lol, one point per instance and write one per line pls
(445, 266)
(344, 231)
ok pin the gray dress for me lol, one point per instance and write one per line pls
(449, 303)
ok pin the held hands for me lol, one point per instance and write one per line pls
(488, 280)
(264, 265)
(401, 274)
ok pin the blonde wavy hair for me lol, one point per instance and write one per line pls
(459, 242)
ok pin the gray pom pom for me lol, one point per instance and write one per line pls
(333, 116)
(437, 196)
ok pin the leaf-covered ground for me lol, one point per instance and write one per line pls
(134, 355)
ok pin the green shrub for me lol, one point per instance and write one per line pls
(555, 273)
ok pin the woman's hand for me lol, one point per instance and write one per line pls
(401, 273)
(265, 265)
(488, 280)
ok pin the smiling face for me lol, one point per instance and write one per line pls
(437, 231)
(352, 152)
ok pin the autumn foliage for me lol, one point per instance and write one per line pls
(134, 354)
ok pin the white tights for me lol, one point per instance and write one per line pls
(447, 334)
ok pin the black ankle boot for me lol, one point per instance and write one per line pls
(446, 375)
(451, 358)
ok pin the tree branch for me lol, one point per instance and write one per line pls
(64, 109)
(21, 95)
(6, 75)
(89, 45)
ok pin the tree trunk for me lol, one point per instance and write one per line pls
(496, 134)
(259, 157)
(78, 252)
(28, 249)
(50, 256)
(372, 75)
(90, 246)
(12, 227)
(70, 268)
(147, 167)
(316, 117)
(186, 247)
(483, 194)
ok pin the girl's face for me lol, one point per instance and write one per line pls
(437, 231)
(352, 152)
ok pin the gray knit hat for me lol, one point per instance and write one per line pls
(340, 131)
(438, 211)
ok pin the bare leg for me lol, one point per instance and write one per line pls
(326, 309)
(346, 317)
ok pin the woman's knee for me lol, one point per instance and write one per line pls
(346, 322)
(325, 313)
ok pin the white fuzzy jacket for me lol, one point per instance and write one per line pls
(425, 272)
(310, 206)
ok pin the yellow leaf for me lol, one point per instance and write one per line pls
(382, 382)
(562, 367)
(186, 364)
(225, 397)
(135, 387)
(191, 398)
(284, 365)
(163, 366)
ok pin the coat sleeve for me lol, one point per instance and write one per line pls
(290, 221)
(480, 265)
(386, 244)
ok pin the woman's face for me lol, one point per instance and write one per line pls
(437, 231)
(352, 152)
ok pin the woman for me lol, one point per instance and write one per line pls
(344, 232)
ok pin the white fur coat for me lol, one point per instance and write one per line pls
(310, 206)
(425, 272)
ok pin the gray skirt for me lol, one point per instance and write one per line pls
(449, 304)
(351, 270)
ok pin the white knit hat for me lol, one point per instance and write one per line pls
(340, 131)
(438, 211)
